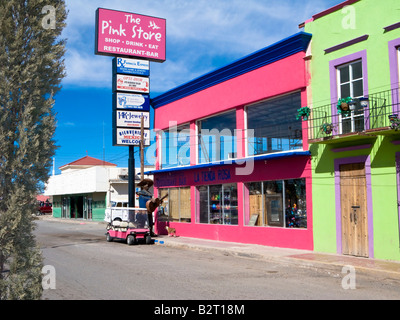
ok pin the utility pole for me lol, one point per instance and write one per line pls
(131, 177)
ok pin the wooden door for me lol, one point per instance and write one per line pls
(255, 202)
(353, 194)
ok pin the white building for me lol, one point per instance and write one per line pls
(86, 187)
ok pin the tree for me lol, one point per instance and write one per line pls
(31, 70)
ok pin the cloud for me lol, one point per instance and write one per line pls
(202, 35)
(86, 70)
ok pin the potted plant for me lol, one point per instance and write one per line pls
(394, 122)
(326, 128)
(304, 113)
(343, 106)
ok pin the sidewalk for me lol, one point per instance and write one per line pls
(301, 258)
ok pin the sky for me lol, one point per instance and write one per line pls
(202, 36)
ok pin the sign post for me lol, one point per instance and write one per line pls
(133, 40)
(131, 177)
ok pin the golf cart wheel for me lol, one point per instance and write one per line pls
(109, 238)
(130, 240)
(148, 239)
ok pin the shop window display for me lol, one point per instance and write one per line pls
(218, 204)
(280, 203)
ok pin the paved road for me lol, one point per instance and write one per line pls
(87, 267)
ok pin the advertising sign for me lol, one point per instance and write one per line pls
(130, 34)
(130, 137)
(131, 101)
(131, 119)
(131, 66)
(131, 83)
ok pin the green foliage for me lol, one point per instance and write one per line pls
(31, 70)
(303, 112)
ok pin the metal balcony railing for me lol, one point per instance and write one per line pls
(368, 114)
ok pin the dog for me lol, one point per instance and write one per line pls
(171, 231)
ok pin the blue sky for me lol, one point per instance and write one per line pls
(201, 36)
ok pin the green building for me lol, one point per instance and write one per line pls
(353, 93)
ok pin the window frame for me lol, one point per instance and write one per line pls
(333, 65)
(394, 65)
(161, 133)
(219, 156)
(224, 218)
(179, 204)
(353, 116)
(266, 101)
(283, 215)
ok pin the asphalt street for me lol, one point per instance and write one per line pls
(89, 268)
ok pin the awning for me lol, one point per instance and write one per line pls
(270, 156)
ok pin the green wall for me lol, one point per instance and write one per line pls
(98, 205)
(371, 17)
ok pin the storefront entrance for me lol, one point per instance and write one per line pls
(353, 199)
(76, 207)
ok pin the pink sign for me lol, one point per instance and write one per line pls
(121, 33)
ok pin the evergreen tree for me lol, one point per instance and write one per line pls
(31, 70)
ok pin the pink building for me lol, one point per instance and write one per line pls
(232, 155)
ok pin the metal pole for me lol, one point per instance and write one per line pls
(131, 179)
(142, 149)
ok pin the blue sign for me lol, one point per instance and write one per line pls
(130, 101)
(131, 66)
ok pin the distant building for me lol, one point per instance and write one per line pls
(86, 187)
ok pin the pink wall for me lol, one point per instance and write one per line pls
(283, 168)
(276, 78)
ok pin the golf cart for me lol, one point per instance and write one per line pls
(132, 228)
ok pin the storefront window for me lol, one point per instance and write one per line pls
(257, 217)
(295, 203)
(175, 146)
(217, 137)
(218, 204)
(280, 203)
(176, 207)
(203, 204)
(271, 126)
(274, 202)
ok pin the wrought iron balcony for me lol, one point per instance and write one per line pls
(378, 113)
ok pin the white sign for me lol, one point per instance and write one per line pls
(131, 119)
(132, 101)
(130, 137)
(131, 66)
(131, 83)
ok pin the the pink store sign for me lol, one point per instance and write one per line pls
(121, 33)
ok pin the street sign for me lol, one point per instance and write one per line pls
(129, 34)
(131, 119)
(130, 137)
(128, 83)
(131, 66)
(131, 101)
(125, 35)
